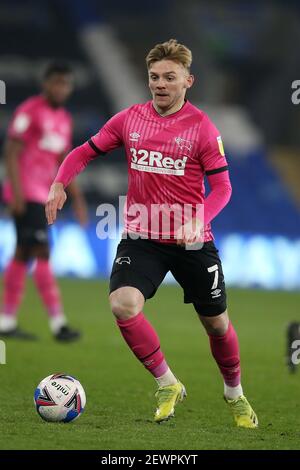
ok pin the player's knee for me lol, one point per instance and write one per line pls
(216, 325)
(216, 330)
(126, 302)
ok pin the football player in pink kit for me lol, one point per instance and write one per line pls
(170, 145)
(39, 137)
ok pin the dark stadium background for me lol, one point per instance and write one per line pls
(245, 61)
(246, 57)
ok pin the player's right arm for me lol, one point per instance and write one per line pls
(107, 139)
(73, 164)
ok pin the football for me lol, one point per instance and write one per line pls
(59, 398)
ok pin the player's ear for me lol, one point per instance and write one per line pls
(189, 81)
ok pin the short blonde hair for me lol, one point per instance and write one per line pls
(170, 50)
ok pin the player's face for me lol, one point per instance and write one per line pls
(58, 88)
(168, 82)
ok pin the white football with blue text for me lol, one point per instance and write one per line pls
(59, 398)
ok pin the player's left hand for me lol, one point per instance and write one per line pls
(190, 233)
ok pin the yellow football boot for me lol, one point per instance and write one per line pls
(167, 398)
(243, 414)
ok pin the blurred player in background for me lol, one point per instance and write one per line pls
(39, 137)
(170, 146)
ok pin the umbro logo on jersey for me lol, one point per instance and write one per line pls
(216, 293)
(182, 143)
(123, 259)
(134, 136)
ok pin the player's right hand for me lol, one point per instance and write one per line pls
(190, 233)
(56, 199)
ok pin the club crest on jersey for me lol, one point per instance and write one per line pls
(134, 136)
(183, 144)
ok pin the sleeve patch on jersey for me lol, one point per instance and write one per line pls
(220, 144)
(217, 170)
(95, 148)
(21, 123)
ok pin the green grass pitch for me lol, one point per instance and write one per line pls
(120, 401)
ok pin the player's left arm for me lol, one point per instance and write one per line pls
(219, 196)
(220, 192)
(214, 163)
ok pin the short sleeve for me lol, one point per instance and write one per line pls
(22, 122)
(211, 150)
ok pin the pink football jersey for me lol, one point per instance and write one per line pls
(46, 134)
(167, 160)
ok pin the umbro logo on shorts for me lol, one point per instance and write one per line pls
(123, 259)
(216, 293)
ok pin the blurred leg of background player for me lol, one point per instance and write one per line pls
(32, 244)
